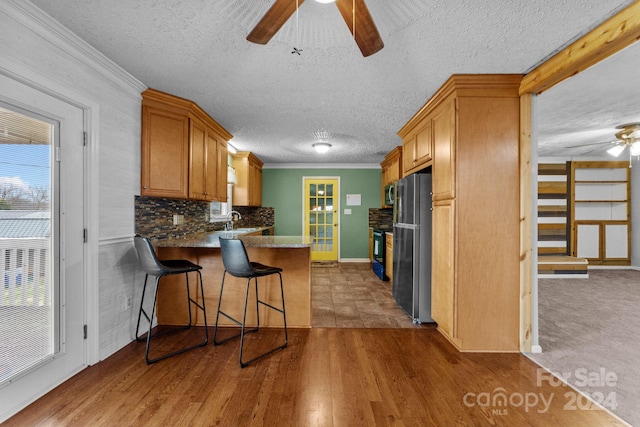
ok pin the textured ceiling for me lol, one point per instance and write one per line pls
(272, 101)
(578, 116)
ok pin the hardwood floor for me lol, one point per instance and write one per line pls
(326, 377)
(401, 375)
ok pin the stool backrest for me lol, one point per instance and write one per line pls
(147, 257)
(235, 258)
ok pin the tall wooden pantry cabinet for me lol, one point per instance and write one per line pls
(474, 123)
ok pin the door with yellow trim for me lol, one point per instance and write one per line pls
(321, 196)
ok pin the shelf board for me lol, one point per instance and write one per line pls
(601, 182)
(601, 201)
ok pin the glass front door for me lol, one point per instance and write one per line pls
(41, 243)
(321, 217)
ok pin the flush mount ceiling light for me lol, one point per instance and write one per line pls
(321, 147)
(321, 141)
(628, 136)
(326, 1)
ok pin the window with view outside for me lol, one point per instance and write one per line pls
(27, 308)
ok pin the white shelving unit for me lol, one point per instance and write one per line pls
(600, 212)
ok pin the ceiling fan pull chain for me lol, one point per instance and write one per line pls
(297, 49)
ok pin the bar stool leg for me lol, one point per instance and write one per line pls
(142, 311)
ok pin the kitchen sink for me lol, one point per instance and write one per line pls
(235, 231)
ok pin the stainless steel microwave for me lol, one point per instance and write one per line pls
(390, 194)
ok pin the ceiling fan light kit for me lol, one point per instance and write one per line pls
(616, 150)
(628, 136)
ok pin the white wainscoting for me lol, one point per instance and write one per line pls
(121, 282)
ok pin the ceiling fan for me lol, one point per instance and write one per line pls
(354, 12)
(628, 136)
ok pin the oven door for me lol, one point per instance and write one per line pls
(379, 245)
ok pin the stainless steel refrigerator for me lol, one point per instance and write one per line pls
(412, 247)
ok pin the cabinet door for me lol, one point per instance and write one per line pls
(388, 260)
(165, 154)
(221, 171)
(587, 241)
(444, 151)
(409, 154)
(443, 267)
(616, 242)
(197, 160)
(423, 144)
(211, 167)
(255, 185)
(385, 180)
(259, 188)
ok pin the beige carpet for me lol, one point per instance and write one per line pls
(590, 335)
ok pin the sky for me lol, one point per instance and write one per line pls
(25, 165)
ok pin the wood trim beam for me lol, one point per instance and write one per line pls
(526, 227)
(611, 36)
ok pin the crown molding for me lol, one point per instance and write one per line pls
(37, 21)
(321, 166)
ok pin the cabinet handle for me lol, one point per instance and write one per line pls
(145, 187)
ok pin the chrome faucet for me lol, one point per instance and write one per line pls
(229, 224)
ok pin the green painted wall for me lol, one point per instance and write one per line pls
(282, 189)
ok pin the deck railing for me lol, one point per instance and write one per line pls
(25, 271)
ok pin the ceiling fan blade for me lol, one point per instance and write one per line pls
(366, 33)
(591, 143)
(272, 21)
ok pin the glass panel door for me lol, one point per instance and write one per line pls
(321, 217)
(27, 315)
(42, 254)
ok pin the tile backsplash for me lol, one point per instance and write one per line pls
(381, 218)
(154, 217)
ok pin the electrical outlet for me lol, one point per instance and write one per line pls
(129, 301)
(178, 219)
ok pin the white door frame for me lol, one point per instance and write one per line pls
(90, 109)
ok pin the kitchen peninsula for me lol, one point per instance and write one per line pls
(291, 253)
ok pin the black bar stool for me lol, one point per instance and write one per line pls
(152, 266)
(236, 263)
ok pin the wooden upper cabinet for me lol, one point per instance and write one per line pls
(248, 188)
(417, 147)
(183, 150)
(423, 148)
(208, 171)
(409, 158)
(221, 169)
(165, 153)
(444, 150)
(391, 169)
(197, 160)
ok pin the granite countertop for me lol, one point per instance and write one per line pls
(211, 240)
